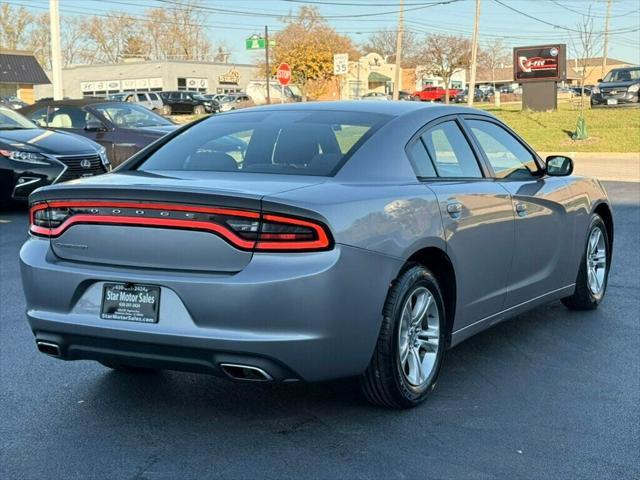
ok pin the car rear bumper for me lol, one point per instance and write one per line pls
(305, 316)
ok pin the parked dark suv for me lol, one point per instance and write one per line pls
(187, 102)
(121, 128)
(619, 87)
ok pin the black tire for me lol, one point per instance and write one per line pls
(122, 367)
(198, 110)
(583, 298)
(384, 382)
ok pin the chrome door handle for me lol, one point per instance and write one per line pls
(521, 209)
(454, 209)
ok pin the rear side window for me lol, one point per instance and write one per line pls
(451, 154)
(283, 142)
(421, 161)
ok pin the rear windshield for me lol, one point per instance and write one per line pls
(286, 142)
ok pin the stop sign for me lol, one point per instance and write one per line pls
(283, 74)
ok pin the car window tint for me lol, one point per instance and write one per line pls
(153, 96)
(507, 156)
(450, 151)
(420, 160)
(293, 143)
(141, 97)
(39, 117)
(70, 117)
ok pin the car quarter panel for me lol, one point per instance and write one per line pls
(585, 195)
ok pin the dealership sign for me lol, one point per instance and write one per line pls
(544, 62)
(117, 85)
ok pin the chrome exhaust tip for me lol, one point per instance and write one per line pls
(245, 373)
(48, 348)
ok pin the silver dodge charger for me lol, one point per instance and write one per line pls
(306, 242)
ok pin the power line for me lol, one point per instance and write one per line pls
(552, 24)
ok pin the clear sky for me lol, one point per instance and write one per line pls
(232, 21)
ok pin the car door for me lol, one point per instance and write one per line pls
(543, 224)
(477, 217)
(189, 102)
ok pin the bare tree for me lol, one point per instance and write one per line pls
(73, 40)
(177, 32)
(495, 55)
(444, 56)
(109, 35)
(384, 43)
(586, 44)
(14, 23)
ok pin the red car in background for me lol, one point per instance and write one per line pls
(434, 94)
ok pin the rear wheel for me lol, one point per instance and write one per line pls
(198, 110)
(410, 349)
(593, 276)
(166, 110)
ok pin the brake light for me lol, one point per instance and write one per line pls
(244, 229)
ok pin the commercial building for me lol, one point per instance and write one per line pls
(20, 73)
(152, 76)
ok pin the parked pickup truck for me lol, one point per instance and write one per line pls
(434, 94)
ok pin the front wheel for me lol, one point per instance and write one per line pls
(593, 276)
(199, 110)
(410, 348)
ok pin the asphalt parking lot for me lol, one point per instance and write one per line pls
(552, 394)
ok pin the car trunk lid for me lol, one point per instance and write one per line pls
(170, 221)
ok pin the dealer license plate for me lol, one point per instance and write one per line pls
(612, 101)
(130, 302)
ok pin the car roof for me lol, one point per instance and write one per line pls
(392, 108)
(73, 103)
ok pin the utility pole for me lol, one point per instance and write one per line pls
(606, 40)
(266, 61)
(399, 34)
(56, 55)
(471, 89)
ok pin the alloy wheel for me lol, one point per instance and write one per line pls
(419, 337)
(596, 261)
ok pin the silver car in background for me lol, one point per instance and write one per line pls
(333, 240)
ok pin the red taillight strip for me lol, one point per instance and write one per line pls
(320, 243)
(156, 206)
(154, 222)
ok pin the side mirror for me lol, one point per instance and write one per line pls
(95, 127)
(559, 166)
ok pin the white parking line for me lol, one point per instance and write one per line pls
(2, 220)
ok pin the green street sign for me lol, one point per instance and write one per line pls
(257, 43)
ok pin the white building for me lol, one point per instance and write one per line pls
(147, 76)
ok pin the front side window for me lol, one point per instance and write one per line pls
(289, 142)
(64, 117)
(451, 154)
(507, 156)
